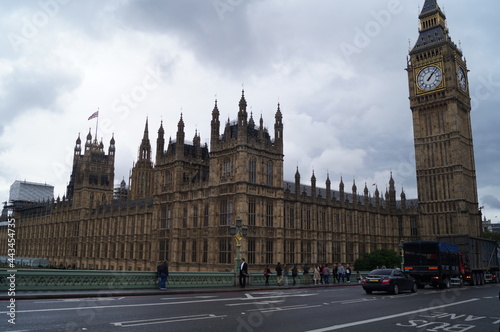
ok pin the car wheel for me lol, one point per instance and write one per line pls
(395, 289)
(368, 291)
(414, 288)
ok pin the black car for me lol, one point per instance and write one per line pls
(388, 280)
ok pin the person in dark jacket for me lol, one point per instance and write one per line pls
(243, 273)
(295, 273)
(162, 271)
(279, 274)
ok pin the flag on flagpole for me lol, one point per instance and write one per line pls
(94, 115)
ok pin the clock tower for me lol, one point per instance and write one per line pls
(441, 105)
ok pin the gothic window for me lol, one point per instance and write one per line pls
(183, 251)
(169, 217)
(205, 215)
(269, 253)
(164, 250)
(194, 251)
(163, 217)
(321, 252)
(290, 251)
(226, 211)
(227, 168)
(185, 217)
(251, 251)
(251, 213)
(252, 171)
(269, 174)
(413, 226)
(269, 214)
(168, 181)
(195, 216)
(205, 251)
(308, 218)
(225, 251)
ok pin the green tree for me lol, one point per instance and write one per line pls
(381, 257)
(492, 235)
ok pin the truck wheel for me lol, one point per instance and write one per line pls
(445, 284)
(473, 280)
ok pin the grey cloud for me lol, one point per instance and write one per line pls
(491, 201)
(23, 89)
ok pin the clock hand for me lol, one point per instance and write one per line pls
(429, 79)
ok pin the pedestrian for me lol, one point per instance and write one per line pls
(316, 275)
(279, 274)
(340, 273)
(267, 272)
(326, 274)
(348, 273)
(243, 273)
(286, 274)
(162, 272)
(334, 273)
(295, 273)
(306, 274)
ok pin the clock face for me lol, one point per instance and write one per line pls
(462, 80)
(429, 78)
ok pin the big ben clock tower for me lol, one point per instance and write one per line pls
(441, 106)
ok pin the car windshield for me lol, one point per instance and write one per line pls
(381, 272)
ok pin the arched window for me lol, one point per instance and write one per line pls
(269, 173)
(252, 171)
(227, 168)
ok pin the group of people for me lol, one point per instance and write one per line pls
(321, 274)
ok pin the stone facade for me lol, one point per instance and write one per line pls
(441, 105)
(182, 206)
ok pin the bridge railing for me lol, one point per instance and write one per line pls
(48, 279)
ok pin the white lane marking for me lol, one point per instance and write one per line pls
(254, 303)
(367, 321)
(291, 307)
(158, 304)
(166, 320)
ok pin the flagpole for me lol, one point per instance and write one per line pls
(96, 123)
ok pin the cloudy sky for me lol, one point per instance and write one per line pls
(336, 67)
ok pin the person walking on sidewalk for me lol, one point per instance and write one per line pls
(306, 274)
(162, 271)
(267, 272)
(348, 272)
(316, 275)
(243, 273)
(295, 274)
(286, 274)
(279, 274)
(326, 274)
(341, 273)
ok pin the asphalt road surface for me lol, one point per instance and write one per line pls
(311, 309)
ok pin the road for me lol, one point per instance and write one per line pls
(307, 309)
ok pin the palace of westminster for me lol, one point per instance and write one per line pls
(183, 201)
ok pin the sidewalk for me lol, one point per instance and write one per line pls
(103, 293)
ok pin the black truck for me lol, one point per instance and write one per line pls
(434, 263)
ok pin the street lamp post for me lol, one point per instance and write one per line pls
(238, 231)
